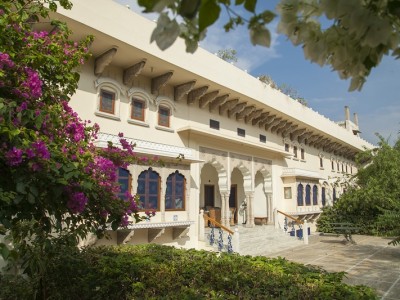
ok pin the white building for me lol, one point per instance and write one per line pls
(238, 138)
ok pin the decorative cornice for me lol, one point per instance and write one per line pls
(236, 109)
(247, 110)
(227, 105)
(253, 115)
(145, 225)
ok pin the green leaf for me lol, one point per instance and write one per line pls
(208, 14)
(5, 252)
(21, 187)
(250, 5)
(166, 32)
(189, 8)
(260, 35)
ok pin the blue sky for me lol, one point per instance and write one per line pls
(377, 105)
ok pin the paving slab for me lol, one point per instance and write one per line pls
(371, 261)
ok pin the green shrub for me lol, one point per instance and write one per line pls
(161, 272)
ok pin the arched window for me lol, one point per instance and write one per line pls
(300, 201)
(124, 180)
(323, 197)
(108, 98)
(308, 194)
(334, 195)
(149, 189)
(315, 195)
(175, 194)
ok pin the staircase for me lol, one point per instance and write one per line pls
(265, 240)
(259, 240)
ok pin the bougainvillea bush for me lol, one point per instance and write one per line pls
(55, 185)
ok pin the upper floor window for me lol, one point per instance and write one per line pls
(302, 153)
(138, 109)
(263, 138)
(241, 132)
(175, 193)
(321, 162)
(148, 189)
(287, 147)
(295, 151)
(333, 165)
(107, 101)
(214, 124)
(164, 114)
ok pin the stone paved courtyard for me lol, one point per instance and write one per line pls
(371, 261)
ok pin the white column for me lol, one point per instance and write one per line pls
(250, 209)
(236, 240)
(270, 213)
(225, 209)
(201, 225)
(305, 232)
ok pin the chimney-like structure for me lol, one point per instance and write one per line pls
(356, 119)
(346, 113)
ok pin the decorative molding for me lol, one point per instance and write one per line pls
(297, 133)
(133, 71)
(236, 109)
(102, 61)
(196, 94)
(108, 82)
(183, 89)
(160, 81)
(266, 121)
(207, 98)
(227, 105)
(301, 173)
(304, 136)
(286, 132)
(146, 225)
(247, 110)
(218, 101)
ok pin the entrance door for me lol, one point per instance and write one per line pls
(233, 202)
(209, 195)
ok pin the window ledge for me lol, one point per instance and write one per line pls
(106, 115)
(296, 159)
(321, 168)
(303, 160)
(140, 123)
(164, 128)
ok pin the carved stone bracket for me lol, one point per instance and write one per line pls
(124, 236)
(218, 101)
(266, 121)
(272, 123)
(253, 115)
(179, 232)
(160, 81)
(278, 125)
(102, 61)
(227, 105)
(236, 109)
(133, 71)
(196, 94)
(304, 136)
(312, 139)
(260, 118)
(297, 133)
(289, 130)
(207, 98)
(245, 112)
(321, 143)
(284, 127)
(154, 233)
(183, 89)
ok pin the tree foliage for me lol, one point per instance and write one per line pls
(373, 203)
(56, 186)
(353, 37)
(228, 55)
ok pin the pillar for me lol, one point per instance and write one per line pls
(270, 213)
(225, 209)
(201, 225)
(250, 209)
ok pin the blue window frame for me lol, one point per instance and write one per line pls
(323, 197)
(124, 180)
(300, 201)
(308, 194)
(175, 193)
(149, 190)
(315, 195)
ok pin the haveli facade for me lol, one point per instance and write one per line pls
(245, 149)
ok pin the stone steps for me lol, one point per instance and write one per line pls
(259, 240)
